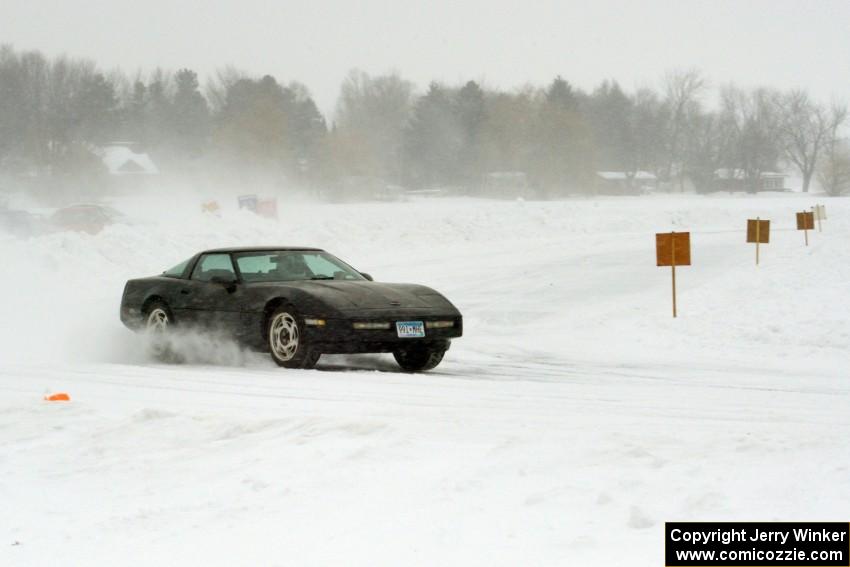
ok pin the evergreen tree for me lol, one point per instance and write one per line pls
(270, 127)
(471, 114)
(611, 121)
(191, 117)
(94, 110)
(433, 139)
(13, 121)
(562, 148)
(309, 132)
(158, 129)
(508, 132)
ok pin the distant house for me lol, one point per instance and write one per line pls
(626, 182)
(736, 180)
(119, 159)
(506, 184)
(366, 188)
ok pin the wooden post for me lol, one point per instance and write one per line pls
(758, 222)
(817, 210)
(804, 225)
(673, 253)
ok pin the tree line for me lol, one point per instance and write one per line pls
(54, 111)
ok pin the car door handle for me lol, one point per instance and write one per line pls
(184, 291)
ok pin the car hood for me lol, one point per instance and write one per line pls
(347, 295)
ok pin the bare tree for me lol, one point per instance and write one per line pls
(705, 149)
(683, 89)
(834, 171)
(218, 85)
(751, 124)
(648, 128)
(371, 115)
(805, 127)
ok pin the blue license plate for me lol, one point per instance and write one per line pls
(410, 329)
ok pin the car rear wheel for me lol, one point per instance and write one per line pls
(419, 359)
(287, 345)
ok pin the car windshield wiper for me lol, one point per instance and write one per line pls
(322, 278)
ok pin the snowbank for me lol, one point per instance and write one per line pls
(574, 407)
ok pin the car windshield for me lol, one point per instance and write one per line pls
(293, 265)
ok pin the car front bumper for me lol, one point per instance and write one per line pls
(338, 336)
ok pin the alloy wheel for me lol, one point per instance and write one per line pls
(284, 336)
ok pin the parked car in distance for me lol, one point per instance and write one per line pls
(296, 304)
(88, 218)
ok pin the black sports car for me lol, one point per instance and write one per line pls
(296, 303)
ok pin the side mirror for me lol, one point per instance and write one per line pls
(367, 276)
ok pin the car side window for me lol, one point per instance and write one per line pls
(178, 270)
(213, 265)
(256, 266)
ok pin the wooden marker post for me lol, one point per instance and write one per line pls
(673, 249)
(806, 222)
(758, 231)
(820, 215)
(673, 269)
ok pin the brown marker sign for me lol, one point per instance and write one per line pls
(806, 222)
(758, 231)
(673, 249)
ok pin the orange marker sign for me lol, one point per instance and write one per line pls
(673, 249)
(210, 207)
(58, 397)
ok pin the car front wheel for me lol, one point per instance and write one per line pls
(158, 321)
(287, 344)
(419, 359)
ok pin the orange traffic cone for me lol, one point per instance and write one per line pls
(58, 397)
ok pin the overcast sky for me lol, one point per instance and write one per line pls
(502, 43)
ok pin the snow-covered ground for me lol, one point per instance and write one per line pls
(571, 421)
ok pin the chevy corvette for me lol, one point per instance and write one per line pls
(295, 303)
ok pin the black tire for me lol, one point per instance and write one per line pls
(282, 323)
(158, 319)
(419, 359)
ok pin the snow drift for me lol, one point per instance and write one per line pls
(573, 418)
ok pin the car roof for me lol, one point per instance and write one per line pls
(259, 249)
